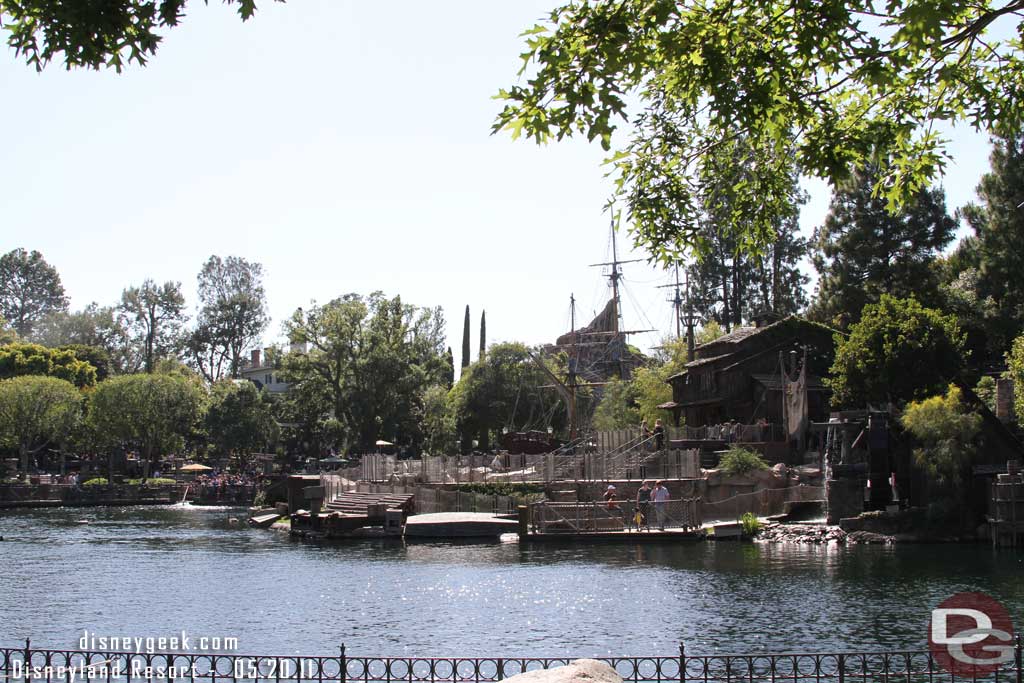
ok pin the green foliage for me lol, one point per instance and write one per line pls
(155, 315)
(93, 327)
(864, 251)
(93, 35)
(750, 524)
(731, 285)
(738, 460)
(986, 391)
(154, 413)
(96, 481)
(898, 352)
(504, 390)
(1015, 371)
(504, 489)
(232, 316)
(36, 412)
(708, 332)
(153, 481)
(20, 359)
(30, 288)
(618, 406)
(239, 418)
(946, 432)
(372, 358)
(842, 83)
(438, 422)
(465, 340)
(994, 252)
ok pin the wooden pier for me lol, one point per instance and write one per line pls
(620, 521)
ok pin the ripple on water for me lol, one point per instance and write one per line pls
(156, 571)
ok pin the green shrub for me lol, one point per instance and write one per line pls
(158, 481)
(96, 481)
(741, 460)
(750, 523)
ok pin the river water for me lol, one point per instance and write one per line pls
(158, 571)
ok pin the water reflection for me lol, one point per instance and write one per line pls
(156, 571)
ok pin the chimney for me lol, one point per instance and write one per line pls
(255, 358)
(1004, 400)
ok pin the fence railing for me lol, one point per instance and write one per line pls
(428, 500)
(902, 666)
(641, 462)
(549, 517)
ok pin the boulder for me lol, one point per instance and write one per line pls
(576, 671)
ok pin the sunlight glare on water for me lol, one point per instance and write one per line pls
(158, 571)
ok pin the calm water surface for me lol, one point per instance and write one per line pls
(156, 571)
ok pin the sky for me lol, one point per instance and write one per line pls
(345, 146)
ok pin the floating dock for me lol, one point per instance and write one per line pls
(459, 525)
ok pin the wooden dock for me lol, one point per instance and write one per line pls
(459, 525)
(624, 536)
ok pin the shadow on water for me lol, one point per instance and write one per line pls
(156, 571)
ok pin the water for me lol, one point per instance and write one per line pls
(158, 571)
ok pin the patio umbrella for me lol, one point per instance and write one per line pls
(381, 442)
(196, 467)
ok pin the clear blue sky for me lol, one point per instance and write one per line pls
(345, 146)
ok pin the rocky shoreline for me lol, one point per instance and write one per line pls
(818, 534)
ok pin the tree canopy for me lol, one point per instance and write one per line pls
(373, 357)
(232, 315)
(19, 359)
(899, 351)
(93, 34)
(841, 82)
(863, 251)
(30, 289)
(155, 316)
(239, 418)
(504, 390)
(993, 259)
(36, 412)
(154, 413)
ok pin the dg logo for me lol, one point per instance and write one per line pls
(971, 634)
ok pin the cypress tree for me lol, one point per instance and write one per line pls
(465, 339)
(449, 360)
(483, 334)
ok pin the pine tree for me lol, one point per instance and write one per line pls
(995, 252)
(483, 334)
(863, 251)
(465, 339)
(730, 285)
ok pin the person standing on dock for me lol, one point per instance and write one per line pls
(660, 497)
(643, 505)
(659, 435)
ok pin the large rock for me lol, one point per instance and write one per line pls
(576, 671)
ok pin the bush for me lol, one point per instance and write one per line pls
(741, 460)
(158, 481)
(750, 523)
(945, 429)
(96, 481)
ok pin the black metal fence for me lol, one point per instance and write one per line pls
(76, 666)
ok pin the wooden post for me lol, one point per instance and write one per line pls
(524, 522)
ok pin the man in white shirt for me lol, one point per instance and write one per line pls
(660, 497)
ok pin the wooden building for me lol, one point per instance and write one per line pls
(739, 376)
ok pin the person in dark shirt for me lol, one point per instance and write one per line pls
(643, 505)
(659, 435)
